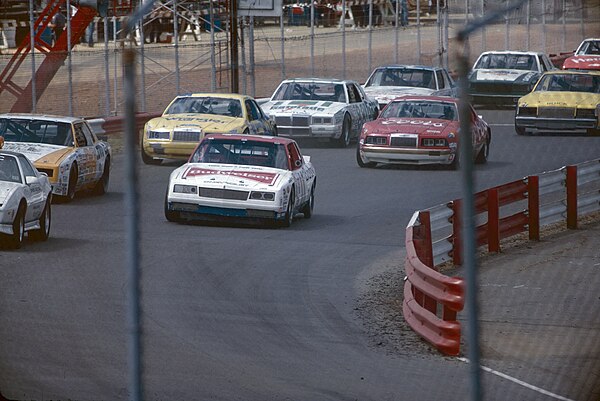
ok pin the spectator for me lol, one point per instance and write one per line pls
(89, 33)
(57, 25)
(404, 12)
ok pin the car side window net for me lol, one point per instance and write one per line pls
(35, 131)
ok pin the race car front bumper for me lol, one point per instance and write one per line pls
(380, 154)
(567, 125)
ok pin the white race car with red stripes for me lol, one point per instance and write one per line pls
(249, 177)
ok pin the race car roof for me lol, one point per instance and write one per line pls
(45, 117)
(219, 95)
(401, 66)
(246, 137)
(433, 98)
(572, 72)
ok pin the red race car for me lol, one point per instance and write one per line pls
(420, 130)
(586, 57)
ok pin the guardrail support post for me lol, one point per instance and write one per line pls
(571, 197)
(427, 247)
(456, 234)
(493, 223)
(426, 255)
(533, 206)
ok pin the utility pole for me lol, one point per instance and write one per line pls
(233, 40)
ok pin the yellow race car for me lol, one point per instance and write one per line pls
(561, 102)
(175, 134)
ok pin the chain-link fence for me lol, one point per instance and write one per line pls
(90, 81)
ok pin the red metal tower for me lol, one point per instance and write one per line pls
(53, 56)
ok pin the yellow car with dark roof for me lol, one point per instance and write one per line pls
(561, 102)
(186, 120)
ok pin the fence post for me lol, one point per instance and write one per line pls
(571, 197)
(456, 234)
(493, 223)
(533, 207)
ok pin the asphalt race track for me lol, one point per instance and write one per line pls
(241, 313)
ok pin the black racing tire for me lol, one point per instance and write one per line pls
(309, 207)
(45, 221)
(455, 165)
(102, 185)
(149, 159)
(520, 130)
(289, 214)
(18, 237)
(361, 162)
(484, 152)
(72, 186)
(345, 137)
(170, 215)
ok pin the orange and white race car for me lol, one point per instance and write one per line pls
(64, 148)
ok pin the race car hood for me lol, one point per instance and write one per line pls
(6, 188)
(560, 99)
(304, 107)
(205, 122)
(419, 126)
(385, 94)
(502, 75)
(230, 176)
(583, 62)
(39, 153)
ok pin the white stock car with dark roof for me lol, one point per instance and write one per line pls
(242, 177)
(320, 108)
(500, 78)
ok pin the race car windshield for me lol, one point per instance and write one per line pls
(9, 170)
(507, 61)
(590, 47)
(586, 83)
(36, 131)
(418, 78)
(319, 91)
(247, 153)
(206, 105)
(416, 109)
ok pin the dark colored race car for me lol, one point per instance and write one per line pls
(500, 78)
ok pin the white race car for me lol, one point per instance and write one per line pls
(25, 198)
(391, 81)
(250, 177)
(320, 108)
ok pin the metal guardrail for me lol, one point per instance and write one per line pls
(432, 299)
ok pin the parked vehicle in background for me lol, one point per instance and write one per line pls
(319, 108)
(561, 102)
(64, 148)
(186, 120)
(586, 57)
(25, 200)
(500, 78)
(420, 130)
(257, 178)
(388, 82)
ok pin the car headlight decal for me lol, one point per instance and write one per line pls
(261, 195)
(185, 189)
